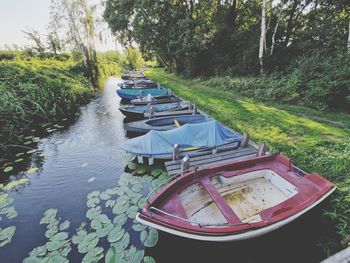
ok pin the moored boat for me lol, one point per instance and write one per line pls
(139, 111)
(130, 94)
(235, 201)
(191, 139)
(155, 100)
(164, 123)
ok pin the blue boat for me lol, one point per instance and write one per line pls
(130, 94)
(164, 123)
(139, 111)
(192, 140)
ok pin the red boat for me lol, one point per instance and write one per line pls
(235, 201)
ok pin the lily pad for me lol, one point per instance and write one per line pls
(156, 172)
(32, 151)
(32, 170)
(93, 212)
(116, 234)
(19, 154)
(104, 231)
(6, 235)
(8, 169)
(141, 170)
(60, 236)
(27, 142)
(133, 255)
(139, 227)
(93, 202)
(54, 245)
(120, 208)
(149, 238)
(51, 231)
(132, 211)
(38, 251)
(123, 243)
(88, 243)
(112, 256)
(120, 220)
(132, 166)
(110, 203)
(19, 160)
(93, 255)
(65, 225)
(104, 196)
(149, 259)
(142, 202)
(9, 212)
(13, 184)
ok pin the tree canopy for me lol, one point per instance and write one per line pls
(211, 37)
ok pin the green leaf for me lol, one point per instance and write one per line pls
(38, 251)
(65, 225)
(19, 160)
(88, 242)
(102, 232)
(120, 220)
(113, 257)
(6, 235)
(149, 238)
(60, 236)
(123, 243)
(132, 211)
(32, 170)
(32, 151)
(156, 172)
(93, 255)
(149, 259)
(8, 169)
(138, 227)
(54, 245)
(116, 234)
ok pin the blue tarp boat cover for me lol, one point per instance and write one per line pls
(135, 93)
(208, 134)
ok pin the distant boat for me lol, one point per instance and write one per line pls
(139, 111)
(138, 84)
(130, 94)
(155, 100)
(235, 201)
(192, 140)
(164, 123)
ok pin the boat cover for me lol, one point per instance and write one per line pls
(208, 134)
(135, 93)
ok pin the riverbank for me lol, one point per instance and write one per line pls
(315, 141)
(35, 91)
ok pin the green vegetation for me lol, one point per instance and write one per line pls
(315, 141)
(302, 52)
(35, 90)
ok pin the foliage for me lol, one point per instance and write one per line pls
(134, 58)
(315, 141)
(35, 90)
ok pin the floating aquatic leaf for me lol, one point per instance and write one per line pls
(112, 256)
(149, 238)
(9, 212)
(132, 166)
(93, 212)
(93, 202)
(120, 220)
(51, 231)
(133, 255)
(19, 154)
(38, 251)
(60, 236)
(149, 259)
(78, 238)
(6, 235)
(1, 186)
(5, 200)
(13, 184)
(32, 151)
(28, 137)
(123, 243)
(110, 203)
(65, 251)
(36, 139)
(95, 224)
(120, 208)
(104, 196)
(54, 245)
(93, 255)
(19, 160)
(116, 234)
(141, 170)
(137, 187)
(132, 211)
(8, 169)
(104, 231)
(93, 194)
(138, 227)
(32, 259)
(32, 170)
(156, 172)
(27, 142)
(65, 225)
(44, 154)
(88, 242)
(142, 202)
(91, 179)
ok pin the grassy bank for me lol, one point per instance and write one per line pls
(34, 90)
(318, 142)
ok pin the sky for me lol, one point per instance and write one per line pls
(17, 15)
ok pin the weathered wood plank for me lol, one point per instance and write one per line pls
(206, 164)
(209, 159)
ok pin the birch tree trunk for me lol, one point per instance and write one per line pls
(349, 38)
(274, 34)
(262, 36)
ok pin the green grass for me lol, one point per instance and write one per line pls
(315, 141)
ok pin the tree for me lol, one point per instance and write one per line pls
(134, 58)
(262, 36)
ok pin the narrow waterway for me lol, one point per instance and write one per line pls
(85, 157)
